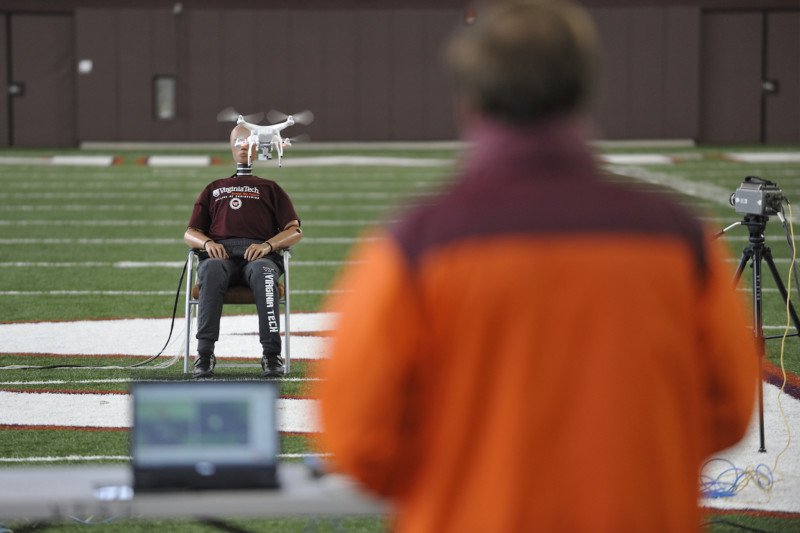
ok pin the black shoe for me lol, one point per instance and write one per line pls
(204, 366)
(272, 365)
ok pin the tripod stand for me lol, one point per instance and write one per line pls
(755, 252)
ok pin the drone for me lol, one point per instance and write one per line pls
(267, 138)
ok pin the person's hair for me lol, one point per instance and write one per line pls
(523, 60)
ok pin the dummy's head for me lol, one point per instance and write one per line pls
(524, 60)
(240, 145)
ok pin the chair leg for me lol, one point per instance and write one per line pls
(190, 269)
(287, 254)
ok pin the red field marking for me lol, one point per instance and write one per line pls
(774, 376)
(63, 391)
(128, 356)
(748, 512)
(4, 427)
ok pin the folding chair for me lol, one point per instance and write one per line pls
(237, 294)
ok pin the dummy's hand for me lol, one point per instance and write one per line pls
(216, 250)
(257, 251)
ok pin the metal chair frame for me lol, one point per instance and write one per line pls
(193, 305)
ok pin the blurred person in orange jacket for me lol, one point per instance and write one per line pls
(538, 348)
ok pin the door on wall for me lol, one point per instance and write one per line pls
(781, 81)
(41, 81)
(750, 77)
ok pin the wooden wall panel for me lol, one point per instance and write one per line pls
(782, 120)
(408, 86)
(375, 86)
(43, 59)
(646, 50)
(731, 74)
(135, 90)
(439, 25)
(649, 73)
(95, 41)
(611, 96)
(5, 133)
(376, 74)
(204, 92)
(681, 62)
(339, 92)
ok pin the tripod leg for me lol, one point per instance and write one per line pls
(758, 331)
(747, 253)
(781, 288)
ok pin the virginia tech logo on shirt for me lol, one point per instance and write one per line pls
(242, 190)
(235, 203)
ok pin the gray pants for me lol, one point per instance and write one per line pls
(216, 275)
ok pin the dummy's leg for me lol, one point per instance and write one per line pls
(214, 277)
(262, 277)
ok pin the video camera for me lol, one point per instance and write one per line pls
(757, 196)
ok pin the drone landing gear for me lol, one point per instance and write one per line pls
(755, 252)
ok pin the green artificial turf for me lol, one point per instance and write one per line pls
(66, 228)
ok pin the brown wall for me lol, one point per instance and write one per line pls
(367, 74)
(372, 71)
(742, 50)
(648, 86)
(4, 111)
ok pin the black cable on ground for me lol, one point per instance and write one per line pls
(139, 364)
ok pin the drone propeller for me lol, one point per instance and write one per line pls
(229, 114)
(303, 137)
(303, 117)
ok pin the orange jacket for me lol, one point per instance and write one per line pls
(538, 354)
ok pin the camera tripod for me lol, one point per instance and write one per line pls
(755, 252)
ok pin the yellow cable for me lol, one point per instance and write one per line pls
(783, 342)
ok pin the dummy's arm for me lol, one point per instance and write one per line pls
(200, 241)
(290, 236)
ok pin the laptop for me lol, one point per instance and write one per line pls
(204, 435)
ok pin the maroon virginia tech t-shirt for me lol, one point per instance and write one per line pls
(242, 207)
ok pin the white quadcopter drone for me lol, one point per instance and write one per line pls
(267, 138)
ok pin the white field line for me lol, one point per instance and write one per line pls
(90, 458)
(179, 264)
(86, 293)
(637, 159)
(143, 264)
(137, 195)
(344, 160)
(704, 191)
(135, 293)
(114, 411)
(309, 240)
(59, 409)
(179, 186)
(175, 222)
(179, 160)
(146, 336)
(156, 241)
(126, 380)
(60, 160)
(65, 458)
(301, 416)
(180, 208)
(764, 157)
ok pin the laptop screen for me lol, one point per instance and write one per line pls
(203, 434)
